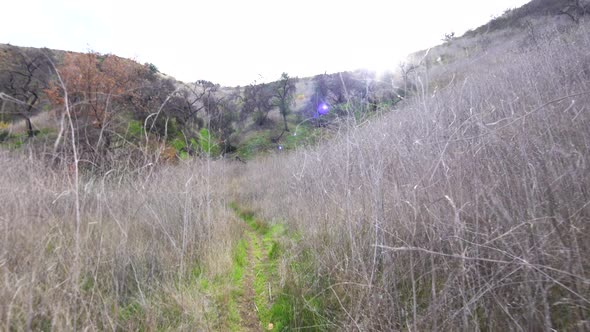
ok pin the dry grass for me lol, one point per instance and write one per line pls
(467, 209)
(143, 239)
(44, 120)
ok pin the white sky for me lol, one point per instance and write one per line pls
(234, 42)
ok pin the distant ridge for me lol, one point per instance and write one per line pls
(512, 17)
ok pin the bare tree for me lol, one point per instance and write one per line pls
(222, 113)
(448, 37)
(192, 100)
(284, 92)
(258, 101)
(24, 74)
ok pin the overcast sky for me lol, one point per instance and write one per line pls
(234, 42)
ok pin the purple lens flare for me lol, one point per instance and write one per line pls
(323, 109)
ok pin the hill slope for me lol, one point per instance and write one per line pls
(457, 200)
(466, 208)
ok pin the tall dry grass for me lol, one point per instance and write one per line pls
(143, 239)
(466, 209)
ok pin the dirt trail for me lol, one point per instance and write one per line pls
(258, 253)
(247, 304)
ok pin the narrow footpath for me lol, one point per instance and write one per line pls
(247, 302)
(259, 267)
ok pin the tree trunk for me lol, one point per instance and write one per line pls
(285, 120)
(30, 131)
(30, 104)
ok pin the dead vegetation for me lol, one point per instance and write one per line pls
(143, 239)
(466, 209)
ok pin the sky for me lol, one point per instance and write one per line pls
(238, 42)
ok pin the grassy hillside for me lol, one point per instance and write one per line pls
(467, 208)
(452, 195)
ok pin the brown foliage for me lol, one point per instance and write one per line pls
(95, 83)
(98, 89)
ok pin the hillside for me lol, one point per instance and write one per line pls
(452, 195)
(518, 18)
(239, 121)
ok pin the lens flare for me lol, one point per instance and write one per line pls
(323, 109)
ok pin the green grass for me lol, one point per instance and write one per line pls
(240, 260)
(221, 312)
(224, 290)
(208, 143)
(256, 143)
(135, 130)
(302, 135)
(260, 141)
(285, 307)
(261, 298)
(16, 141)
(279, 307)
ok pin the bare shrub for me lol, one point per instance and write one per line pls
(466, 209)
(142, 238)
